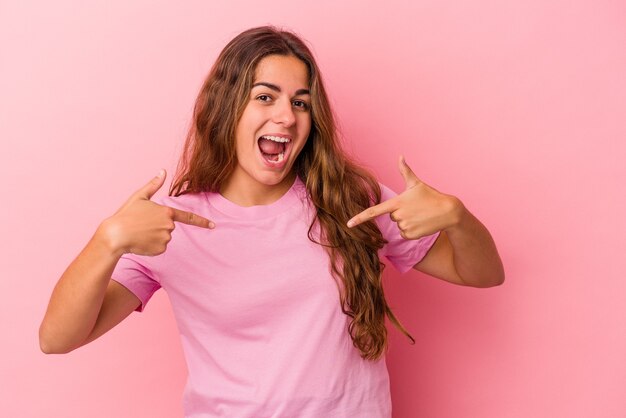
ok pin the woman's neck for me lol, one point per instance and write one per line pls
(248, 192)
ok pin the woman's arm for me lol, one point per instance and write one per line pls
(85, 302)
(464, 252)
(79, 297)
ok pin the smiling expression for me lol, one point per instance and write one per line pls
(271, 132)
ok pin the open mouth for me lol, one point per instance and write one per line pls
(273, 148)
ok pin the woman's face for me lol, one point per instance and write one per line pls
(273, 128)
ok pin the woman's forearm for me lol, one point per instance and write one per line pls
(77, 297)
(476, 258)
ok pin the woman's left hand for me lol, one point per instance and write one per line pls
(419, 211)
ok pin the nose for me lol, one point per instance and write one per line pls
(283, 113)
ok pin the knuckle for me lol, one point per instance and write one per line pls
(169, 212)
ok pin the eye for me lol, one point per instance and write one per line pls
(264, 98)
(301, 104)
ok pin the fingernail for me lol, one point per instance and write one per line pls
(211, 225)
(161, 172)
(350, 223)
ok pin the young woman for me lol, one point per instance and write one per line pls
(269, 248)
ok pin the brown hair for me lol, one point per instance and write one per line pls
(337, 187)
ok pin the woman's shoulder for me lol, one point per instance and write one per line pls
(386, 192)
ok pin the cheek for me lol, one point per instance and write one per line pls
(300, 147)
(305, 125)
(245, 134)
(249, 121)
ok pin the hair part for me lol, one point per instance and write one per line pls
(337, 187)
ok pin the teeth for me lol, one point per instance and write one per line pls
(280, 157)
(275, 138)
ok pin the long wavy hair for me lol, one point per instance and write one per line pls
(337, 187)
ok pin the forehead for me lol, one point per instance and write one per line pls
(283, 70)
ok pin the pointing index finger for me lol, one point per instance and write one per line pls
(192, 219)
(373, 212)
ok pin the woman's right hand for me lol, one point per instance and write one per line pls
(143, 227)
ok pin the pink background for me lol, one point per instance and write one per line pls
(518, 108)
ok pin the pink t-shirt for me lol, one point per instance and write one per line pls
(258, 311)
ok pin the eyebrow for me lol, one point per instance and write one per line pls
(276, 88)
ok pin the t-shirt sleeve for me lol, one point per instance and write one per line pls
(402, 253)
(133, 273)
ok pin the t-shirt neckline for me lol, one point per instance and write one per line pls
(232, 209)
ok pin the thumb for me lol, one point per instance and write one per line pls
(147, 191)
(410, 179)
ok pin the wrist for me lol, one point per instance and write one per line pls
(107, 236)
(457, 214)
